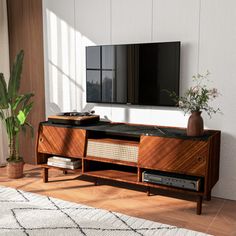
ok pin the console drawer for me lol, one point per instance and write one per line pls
(113, 149)
(61, 141)
(174, 155)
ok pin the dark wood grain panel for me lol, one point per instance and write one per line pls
(62, 141)
(25, 26)
(214, 161)
(36, 65)
(174, 155)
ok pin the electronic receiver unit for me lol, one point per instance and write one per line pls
(178, 181)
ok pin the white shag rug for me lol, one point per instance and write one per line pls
(24, 213)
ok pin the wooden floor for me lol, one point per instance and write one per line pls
(218, 216)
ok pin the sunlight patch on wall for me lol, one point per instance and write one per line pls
(61, 64)
(66, 68)
(81, 43)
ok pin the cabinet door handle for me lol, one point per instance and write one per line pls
(41, 140)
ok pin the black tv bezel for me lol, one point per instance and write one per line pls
(131, 104)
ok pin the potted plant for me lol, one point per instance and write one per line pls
(195, 100)
(14, 110)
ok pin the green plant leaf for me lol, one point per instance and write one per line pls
(3, 93)
(16, 129)
(22, 114)
(27, 109)
(14, 81)
(21, 117)
(27, 99)
(22, 99)
(10, 126)
(29, 126)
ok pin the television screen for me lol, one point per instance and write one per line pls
(137, 74)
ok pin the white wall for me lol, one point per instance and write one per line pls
(206, 29)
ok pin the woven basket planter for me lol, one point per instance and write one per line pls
(15, 170)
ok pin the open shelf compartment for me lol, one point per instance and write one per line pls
(126, 174)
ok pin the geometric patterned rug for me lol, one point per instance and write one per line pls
(24, 213)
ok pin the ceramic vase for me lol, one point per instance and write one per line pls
(195, 124)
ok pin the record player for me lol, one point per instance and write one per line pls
(74, 118)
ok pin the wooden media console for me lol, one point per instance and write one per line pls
(124, 152)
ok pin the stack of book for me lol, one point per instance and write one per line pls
(63, 162)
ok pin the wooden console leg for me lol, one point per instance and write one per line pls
(148, 191)
(199, 205)
(208, 197)
(45, 175)
(139, 175)
(65, 172)
(96, 182)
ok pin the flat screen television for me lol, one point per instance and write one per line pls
(137, 74)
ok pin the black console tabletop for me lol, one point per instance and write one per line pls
(133, 130)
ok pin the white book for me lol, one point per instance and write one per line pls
(63, 161)
(63, 165)
(61, 158)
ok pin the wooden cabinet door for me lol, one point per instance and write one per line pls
(61, 141)
(174, 155)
